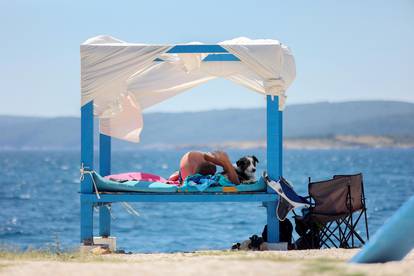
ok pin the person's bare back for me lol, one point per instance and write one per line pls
(205, 163)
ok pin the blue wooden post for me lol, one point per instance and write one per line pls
(86, 221)
(104, 169)
(274, 161)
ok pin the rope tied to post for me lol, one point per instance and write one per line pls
(85, 170)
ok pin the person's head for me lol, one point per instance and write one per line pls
(206, 168)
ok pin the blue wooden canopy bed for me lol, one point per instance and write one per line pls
(273, 89)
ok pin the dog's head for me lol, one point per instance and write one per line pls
(247, 164)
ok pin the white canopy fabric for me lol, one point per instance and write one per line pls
(122, 79)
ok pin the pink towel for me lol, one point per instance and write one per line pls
(140, 176)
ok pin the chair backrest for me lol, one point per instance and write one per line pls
(355, 182)
(332, 196)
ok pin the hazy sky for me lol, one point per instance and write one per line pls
(344, 50)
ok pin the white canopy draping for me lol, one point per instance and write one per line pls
(122, 79)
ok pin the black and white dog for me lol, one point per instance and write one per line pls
(246, 169)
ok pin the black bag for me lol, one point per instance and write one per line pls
(285, 231)
(308, 241)
(308, 231)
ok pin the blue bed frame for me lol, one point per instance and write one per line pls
(88, 199)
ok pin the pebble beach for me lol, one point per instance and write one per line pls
(306, 262)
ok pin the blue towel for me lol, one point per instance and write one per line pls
(200, 183)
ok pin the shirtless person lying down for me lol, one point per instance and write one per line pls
(205, 163)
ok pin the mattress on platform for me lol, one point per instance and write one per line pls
(107, 185)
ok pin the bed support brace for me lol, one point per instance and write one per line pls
(88, 199)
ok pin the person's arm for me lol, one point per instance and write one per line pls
(221, 159)
(174, 176)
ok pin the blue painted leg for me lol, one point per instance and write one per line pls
(104, 169)
(86, 223)
(274, 161)
(272, 222)
(86, 212)
(104, 221)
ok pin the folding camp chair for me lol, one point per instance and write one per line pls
(339, 206)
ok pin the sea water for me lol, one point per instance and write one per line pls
(39, 200)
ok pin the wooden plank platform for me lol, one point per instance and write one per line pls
(178, 197)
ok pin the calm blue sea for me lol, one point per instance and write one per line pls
(39, 202)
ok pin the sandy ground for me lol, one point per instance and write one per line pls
(311, 262)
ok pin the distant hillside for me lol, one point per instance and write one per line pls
(384, 118)
(305, 121)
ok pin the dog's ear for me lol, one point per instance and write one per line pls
(240, 163)
(255, 159)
